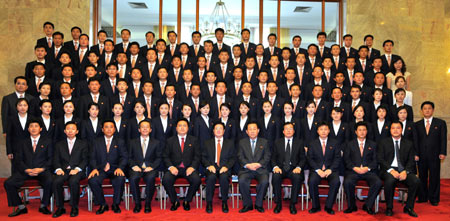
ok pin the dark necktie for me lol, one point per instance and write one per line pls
(253, 147)
(397, 152)
(287, 157)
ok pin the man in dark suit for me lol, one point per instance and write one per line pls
(70, 159)
(361, 164)
(218, 99)
(218, 158)
(182, 158)
(108, 159)
(47, 41)
(347, 50)
(172, 48)
(196, 50)
(254, 158)
(220, 45)
(388, 58)
(73, 45)
(108, 55)
(41, 57)
(96, 97)
(150, 67)
(37, 79)
(432, 142)
(323, 50)
(108, 86)
(149, 38)
(99, 48)
(324, 156)
(296, 42)
(33, 161)
(145, 158)
(272, 49)
(396, 158)
(9, 101)
(373, 53)
(288, 161)
(248, 48)
(224, 68)
(124, 46)
(163, 57)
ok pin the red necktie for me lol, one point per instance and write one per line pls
(182, 149)
(219, 149)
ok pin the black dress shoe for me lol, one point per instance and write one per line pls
(186, 206)
(245, 209)
(225, 207)
(389, 212)
(410, 212)
(45, 211)
(59, 212)
(351, 210)
(102, 209)
(115, 208)
(314, 210)
(421, 201)
(434, 203)
(277, 209)
(292, 209)
(74, 212)
(259, 209)
(175, 206)
(148, 208)
(18, 212)
(329, 211)
(209, 207)
(137, 208)
(368, 210)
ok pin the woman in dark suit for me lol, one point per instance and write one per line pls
(162, 126)
(69, 109)
(308, 124)
(381, 127)
(269, 124)
(133, 123)
(288, 116)
(121, 123)
(203, 124)
(17, 130)
(358, 115)
(186, 112)
(48, 122)
(243, 120)
(230, 124)
(91, 128)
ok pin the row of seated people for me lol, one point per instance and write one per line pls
(183, 156)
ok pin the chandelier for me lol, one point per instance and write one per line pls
(220, 18)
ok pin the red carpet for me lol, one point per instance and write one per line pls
(425, 211)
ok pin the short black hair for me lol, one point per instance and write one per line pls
(76, 27)
(34, 121)
(427, 103)
(170, 32)
(71, 122)
(322, 33)
(219, 29)
(48, 23)
(58, 33)
(368, 36)
(323, 123)
(183, 120)
(145, 121)
(196, 33)
(219, 123)
(102, 31)
(150, 32)
(396, 122)
(361, 124)
(20, 78)
(109, 121)
(245, 29)
(387, 41)
(347, 35)
(129, 32)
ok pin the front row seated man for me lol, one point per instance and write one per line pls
(396, 158)
(108, 159)
(361, 164)
(254, 158)
(324, 156)
(145, 158)
(182, 158)
(218, 158)
(70, 159)
(288, 161)
(33, 161)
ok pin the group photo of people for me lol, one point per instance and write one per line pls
(217, 115)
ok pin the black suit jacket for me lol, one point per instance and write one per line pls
(62, 159)
(87, 130)
(15, 133)
(394, 112)
(214, 105)
(386, 153)
(353, 52)
(103, 102)
(227, 154)
(201, 52)
(43, 42)
(29, 68)
(224, 47)
(250, 50)
(332, 157)
(190, 157)
(385, 67)
(128, 106)
(352, 155)
(32, 87)
(435, 143)
(9, 107)
(41, 158)
(152, 156)
(262, 155)
(385, 131)
(298, 156)
(373, 54)
(117, 156)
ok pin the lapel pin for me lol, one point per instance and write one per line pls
(115, 146)
(42, 146)
(190, 145)
(435, 128)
